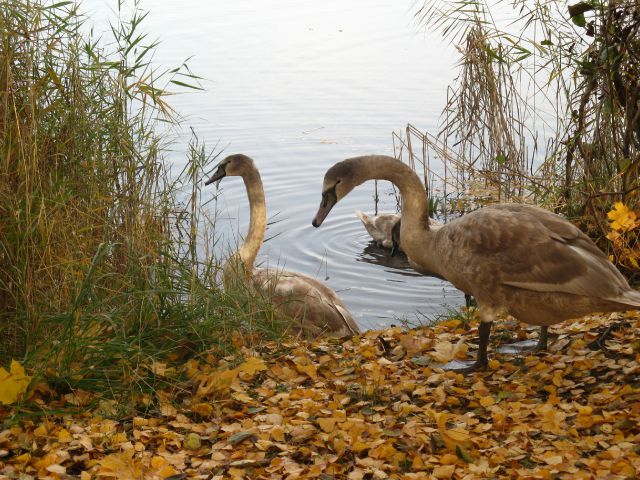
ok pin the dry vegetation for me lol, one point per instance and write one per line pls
(98, 262)
(546, 108)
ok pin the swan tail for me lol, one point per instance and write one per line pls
(364, 218)
(350, 325)
(628, 297)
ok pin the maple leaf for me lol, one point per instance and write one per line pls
(252, 366)
(120, 465)
(217, 383)
(622, 219)
(13, 384)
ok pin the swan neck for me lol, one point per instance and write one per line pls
(257, 219)
(415, 208)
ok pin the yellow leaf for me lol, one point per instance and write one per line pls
(120, 465)
(202, 409)
(216, 383)
(585, 410)
(444, 471)
(253, 365)
(167, 471)
(451, 437)
(309, 370)
(487, 401)
(13, 384)
(448, 459)
(64, 436)
(278, 434)
(119, 437)
(159, 368)
(327, 424)
(613, 235)
(622, 218)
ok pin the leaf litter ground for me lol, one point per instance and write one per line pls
(373, 407)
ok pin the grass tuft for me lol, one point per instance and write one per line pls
(102, 268)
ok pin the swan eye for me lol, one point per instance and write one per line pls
(329, 196)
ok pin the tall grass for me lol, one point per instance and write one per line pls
(100, 269)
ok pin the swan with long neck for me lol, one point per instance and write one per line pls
(313, 307)
(514, 259)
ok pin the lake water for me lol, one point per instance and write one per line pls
(299, 85)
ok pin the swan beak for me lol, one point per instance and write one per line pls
(219, 175)
(329, 199)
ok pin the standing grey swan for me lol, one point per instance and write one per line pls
(515, 259)
(314, 307)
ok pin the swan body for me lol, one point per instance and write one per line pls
(379, 226)
(514, 259)
(314, 308)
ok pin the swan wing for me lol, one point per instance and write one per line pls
(533, 249)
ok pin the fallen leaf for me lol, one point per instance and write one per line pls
(445, 351)
(252, 365)
(13, 384)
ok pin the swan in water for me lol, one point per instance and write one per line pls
(381, 226)
(514, 259)
(314, 308)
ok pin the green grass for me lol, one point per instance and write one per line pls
(101, 262)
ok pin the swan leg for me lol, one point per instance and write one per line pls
(469, 301)
(542, 346)
(481, 359)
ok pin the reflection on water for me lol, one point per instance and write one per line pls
(299, 85)
(377, 255)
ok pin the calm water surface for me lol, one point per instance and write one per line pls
(299, 85)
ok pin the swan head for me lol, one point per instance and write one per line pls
(236, 165)
(338, 182)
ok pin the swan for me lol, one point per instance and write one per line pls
(314, 307)
(514, 259)
(381, 226)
